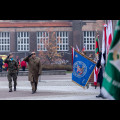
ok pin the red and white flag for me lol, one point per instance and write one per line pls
(72, 54)
(83, 48)
(104, 39)
(95, 76)
(109, 36)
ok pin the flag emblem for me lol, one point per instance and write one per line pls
(79, 69)
(76, 56)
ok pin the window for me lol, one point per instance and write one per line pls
(62, 41)
(23, 41)
(89, 40)
(4, 41)
(42, 40)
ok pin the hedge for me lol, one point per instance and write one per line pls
(57, 67)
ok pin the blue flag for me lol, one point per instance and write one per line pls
(82, 69)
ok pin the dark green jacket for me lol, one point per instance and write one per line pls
(12, 65)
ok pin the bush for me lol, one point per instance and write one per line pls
(57, 67)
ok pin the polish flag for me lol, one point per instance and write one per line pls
(109, 36)
(83, 48)
(95, 76)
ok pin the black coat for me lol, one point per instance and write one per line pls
(1, 62)
(100, 74)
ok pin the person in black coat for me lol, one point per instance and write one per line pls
(100, 74)
(1, 64)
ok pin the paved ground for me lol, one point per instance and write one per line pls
(53, 87)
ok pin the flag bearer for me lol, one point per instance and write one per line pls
(100, 73)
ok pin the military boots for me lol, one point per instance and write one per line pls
(10, 90)
(14, 88)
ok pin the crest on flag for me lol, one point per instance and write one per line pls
(79, 69)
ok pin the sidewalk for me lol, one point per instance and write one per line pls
(51, 87)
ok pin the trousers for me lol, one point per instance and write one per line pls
(10, 76)
(34, 85)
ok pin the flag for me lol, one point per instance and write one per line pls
(97, 45)
(103, 58)
(96, 53)
(95, 76)
(109, 36)
(82, 68)
(83, 48)
(111, 77)
(77, 48)
(72, 54)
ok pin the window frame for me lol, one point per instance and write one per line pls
(89, 40)
(38, 37)
(63, 36)
(22, 37)
(5, 41)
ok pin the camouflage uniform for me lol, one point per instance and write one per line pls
(12, 72)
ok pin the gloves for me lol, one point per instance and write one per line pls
(8, 56)
(30, 55)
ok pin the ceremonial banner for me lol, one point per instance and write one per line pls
(82, 68)
(111, 81)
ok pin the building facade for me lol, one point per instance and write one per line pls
(21, 37)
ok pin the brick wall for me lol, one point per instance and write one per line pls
(33, 42)
(13, 42)
(74, 27)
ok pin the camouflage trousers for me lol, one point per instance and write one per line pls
(34, 85)
(10, 76)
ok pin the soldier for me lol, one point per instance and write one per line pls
(100, 74)
(35, 70)
(12, 71)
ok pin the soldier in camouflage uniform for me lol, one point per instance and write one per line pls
(35, 69)
(12, 71)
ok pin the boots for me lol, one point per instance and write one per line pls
(10, 90)
(34, 89)
(14, 88)
(35, 86)
(100, 95)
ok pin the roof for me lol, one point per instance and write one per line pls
(35, 24)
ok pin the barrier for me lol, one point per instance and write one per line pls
(25, 73)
